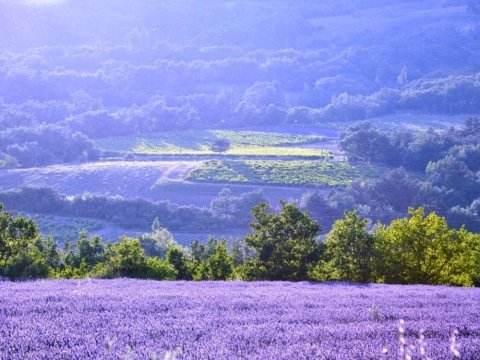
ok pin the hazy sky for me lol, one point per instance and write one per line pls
(43, 2)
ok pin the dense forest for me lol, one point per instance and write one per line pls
(145, 73)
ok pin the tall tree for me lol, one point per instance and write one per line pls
(16, 233)
(423, 249)
(285, 244)
(348, 251)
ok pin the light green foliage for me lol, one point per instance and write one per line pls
(16, 233)
(202, 143)
(281, 172)
(257, 138)
(348, 252)
(219, 171)
(285, 244)
(423, 249)
(218, 266)
(159, 269)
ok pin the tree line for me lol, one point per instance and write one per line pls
(418, 249)
(436, 168)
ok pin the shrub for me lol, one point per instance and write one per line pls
(159, 269)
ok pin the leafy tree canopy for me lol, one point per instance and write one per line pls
(285, 243)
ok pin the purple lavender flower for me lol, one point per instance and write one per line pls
(132, 319)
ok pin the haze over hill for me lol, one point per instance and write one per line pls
(115, 82)
(284, 142)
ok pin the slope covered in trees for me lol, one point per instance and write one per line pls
(154, 66)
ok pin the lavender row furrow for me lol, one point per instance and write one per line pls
(132, 319)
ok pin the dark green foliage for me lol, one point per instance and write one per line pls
(48, 247)
(87, 252)
(46, 145)
(29, 263)
(90, 250)
(177, 258)
(128, 212)
(348, 252)
(128, 258)
(285, 244)
(364, 142)
(413, 151)
(458, 171)
(220, 145)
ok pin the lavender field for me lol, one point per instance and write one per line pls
(132, 319)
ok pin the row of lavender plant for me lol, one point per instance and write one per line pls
(132, 319)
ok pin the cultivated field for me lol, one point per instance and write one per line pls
(280, 172)
(131, 319)
(197, 142)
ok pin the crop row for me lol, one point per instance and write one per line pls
(276, 172)
(132, 319)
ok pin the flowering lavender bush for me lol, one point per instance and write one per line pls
(132, 319)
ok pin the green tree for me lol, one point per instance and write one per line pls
(285, 244)
(218, 266)
(423, 249)
(89, 250)
(159, 269)
(348, 253)
(176, 257)
(16, 233)
(197, 249)
(29, 263)
(128, 258)
(49, 248)
(220, 145)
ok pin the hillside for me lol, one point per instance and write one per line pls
(131, 100)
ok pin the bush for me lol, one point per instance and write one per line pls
(159, 269)
(128, 259)
(26, 265)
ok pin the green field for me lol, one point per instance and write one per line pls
(277, 172)
(242, 143)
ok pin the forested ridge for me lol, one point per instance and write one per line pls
(146, 72)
